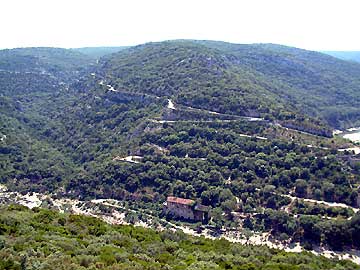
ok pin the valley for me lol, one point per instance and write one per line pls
(116, 212)
(244, 130)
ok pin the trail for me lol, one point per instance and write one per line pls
(192, 121)
(118, 217)
(331, 204)
(296, 130)
(207, 121)
(171, 106)
(355, 149)
(239, 117)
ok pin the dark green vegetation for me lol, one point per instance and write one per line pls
(310, 228)
(55, 62)
(65, 130)
(34, 89)
(345, 55)
(269, 80)
(42, 239)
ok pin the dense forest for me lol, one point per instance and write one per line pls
(249, 132)
(43, 239)
(262, 79)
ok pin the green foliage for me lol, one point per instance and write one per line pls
(126, 247)
(65, 132)
(233, 79)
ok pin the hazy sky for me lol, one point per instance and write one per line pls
(309, 24)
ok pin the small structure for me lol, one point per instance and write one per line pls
(186, 209)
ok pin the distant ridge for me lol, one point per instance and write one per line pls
(345, 55)
(251, 79)
(98, 52)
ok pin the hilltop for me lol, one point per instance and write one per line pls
(263, 79)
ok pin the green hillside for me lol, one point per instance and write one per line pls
(262, 79)
(67, 126)
(43, 239)
(43, 59)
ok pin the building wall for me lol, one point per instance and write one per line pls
(180, 210)
(198, 216)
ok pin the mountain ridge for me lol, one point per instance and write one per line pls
(345, 55)
(283, 77)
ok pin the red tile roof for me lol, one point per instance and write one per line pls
(180, 200)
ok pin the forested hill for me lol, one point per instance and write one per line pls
(263, 79)
(49, 54)
(345, 55)
(268, 80)
(70, 127)
(43, 59)
(43, 239)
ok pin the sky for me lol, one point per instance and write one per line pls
(307, 24)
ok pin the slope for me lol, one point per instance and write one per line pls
(34, 90)
(81, 242)
(79, 137)
(262, 79)
(317, 84)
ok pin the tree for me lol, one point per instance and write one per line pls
(215, 178)
(328, 191)
(132, 183)
(301, 188)
(217, 217)
(228, 206)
